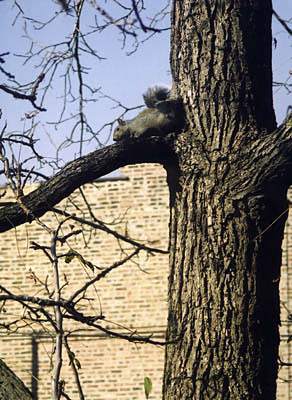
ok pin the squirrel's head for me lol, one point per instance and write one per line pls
(121, 131)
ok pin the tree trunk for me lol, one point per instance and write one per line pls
(11, 387)
(224, 262)
(224, 298)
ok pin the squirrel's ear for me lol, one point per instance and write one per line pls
(121, 122)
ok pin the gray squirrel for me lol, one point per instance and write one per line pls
(163, 115)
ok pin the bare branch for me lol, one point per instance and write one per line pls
(110, 19)
(57, 364)
(31, 97)
(102, 275)
(73, 363)
(144, 27)
(282, 22)
(103, 227)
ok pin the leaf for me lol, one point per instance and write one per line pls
(77, 362)
(147, 386)
(70, 255)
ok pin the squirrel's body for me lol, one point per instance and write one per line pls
(163, 115)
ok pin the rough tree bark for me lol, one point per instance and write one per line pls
(11, 387)
(224, 268)
(228, 174)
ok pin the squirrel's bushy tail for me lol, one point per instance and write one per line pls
(155, 94)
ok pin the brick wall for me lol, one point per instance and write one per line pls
(131, 297)
(285, 372)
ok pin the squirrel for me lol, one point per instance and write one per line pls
(164, 114)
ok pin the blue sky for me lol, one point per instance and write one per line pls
(282, 59)
(119, 75)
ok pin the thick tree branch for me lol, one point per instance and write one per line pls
(84, 170)
(272, 154)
